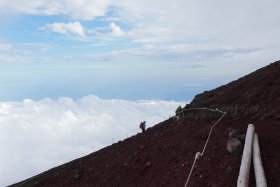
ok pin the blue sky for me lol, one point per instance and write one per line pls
(131, 49)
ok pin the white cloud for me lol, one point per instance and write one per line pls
(5, 47)
(28, 7)
(86, 9)
(38, 135)
(14, 58)
(76, 9)
(74, 28)
(150, 35)
(22, 52)
(116, 30)
(238, 23)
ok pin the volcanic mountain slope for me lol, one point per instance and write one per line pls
(163, 155)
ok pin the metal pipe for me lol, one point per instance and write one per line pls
(244, 173)
(258, 168)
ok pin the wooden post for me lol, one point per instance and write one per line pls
(244, 173)
(259, 172)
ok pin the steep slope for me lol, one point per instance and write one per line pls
(256, 95)
(164, 154)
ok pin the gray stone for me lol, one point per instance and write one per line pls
(234, 146)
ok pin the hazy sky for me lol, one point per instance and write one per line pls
(77, 75)
(132, 49)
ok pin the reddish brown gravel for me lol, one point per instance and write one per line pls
(163, 155)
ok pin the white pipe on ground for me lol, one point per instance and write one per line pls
(258, 168)
(244, 173)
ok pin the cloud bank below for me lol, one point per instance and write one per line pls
(38, 135)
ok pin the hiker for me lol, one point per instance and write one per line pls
(235, 142)
(143, 126)
(179, 112)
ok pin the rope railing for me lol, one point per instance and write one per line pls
(200, 154)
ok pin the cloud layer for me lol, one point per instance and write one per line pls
(38, 135)
(74, 28)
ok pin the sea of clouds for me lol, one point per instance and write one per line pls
(38, 135)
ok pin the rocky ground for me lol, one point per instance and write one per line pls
(163, 155)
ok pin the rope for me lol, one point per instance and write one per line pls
(197, 156)
(200, 154)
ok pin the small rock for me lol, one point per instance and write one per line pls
(125, 164)
(142, 147)
(234, 146)
(35, 183)
(77, 176)
(235, 142)
(148, 163)
(228, 169)
(214, 185)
